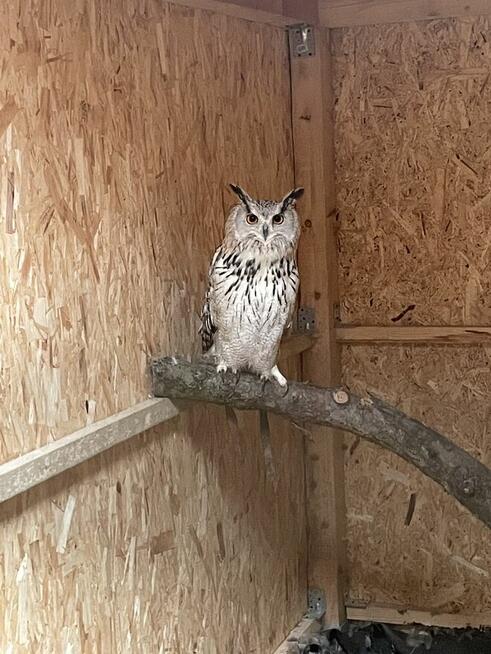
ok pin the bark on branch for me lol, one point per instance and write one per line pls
(459, 473)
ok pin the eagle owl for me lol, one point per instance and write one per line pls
(253, 283)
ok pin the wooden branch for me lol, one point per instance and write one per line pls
(422, 335)
(459, 473)
(28, 470)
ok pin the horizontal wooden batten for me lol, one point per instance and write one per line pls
(29, 470)
(273, 12)
(295, 344)
(347, 13)
(421, 335)
(401, 616)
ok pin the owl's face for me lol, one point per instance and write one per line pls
(266, 225)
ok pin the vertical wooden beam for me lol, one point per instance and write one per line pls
(312, 107)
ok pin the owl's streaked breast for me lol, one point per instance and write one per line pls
(252, 302)
(253, 283)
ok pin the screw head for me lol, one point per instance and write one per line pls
(340, 396)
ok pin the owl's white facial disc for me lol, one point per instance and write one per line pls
(268, 226)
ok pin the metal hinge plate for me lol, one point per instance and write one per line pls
(302, 41)
(317, 604)
(306, 320)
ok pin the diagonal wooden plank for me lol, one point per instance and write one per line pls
(28, 470)
(306, 627)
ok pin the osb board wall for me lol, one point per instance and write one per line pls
(120, 124)
(413, 171)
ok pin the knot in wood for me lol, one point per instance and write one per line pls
(340, 396)
(466, 483)
(469, 487)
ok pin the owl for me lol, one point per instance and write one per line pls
(253, 284)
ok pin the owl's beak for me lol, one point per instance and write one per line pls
(265, 232)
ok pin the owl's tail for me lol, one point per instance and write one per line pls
(265, 431)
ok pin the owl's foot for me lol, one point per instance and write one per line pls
(222, 369)
(275, 374)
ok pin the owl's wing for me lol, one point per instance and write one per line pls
(208, 326)
(294, 281)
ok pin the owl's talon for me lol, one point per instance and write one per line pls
(236, 378)
(278, 377)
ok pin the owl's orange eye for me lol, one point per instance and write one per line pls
(251, 219)
(278, 219)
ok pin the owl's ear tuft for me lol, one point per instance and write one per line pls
(290, 199)
(243, 197)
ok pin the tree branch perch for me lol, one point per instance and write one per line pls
(459, 473)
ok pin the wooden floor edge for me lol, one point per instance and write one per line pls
(403, 616)
(305, 627)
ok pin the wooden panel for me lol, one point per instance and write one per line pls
(314, 169)
(345, 13)
(120, 124)
(412, 173)
(435, 335)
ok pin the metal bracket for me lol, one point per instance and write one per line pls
(306, 320)
(302, 41)
(317, 604)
